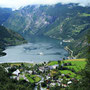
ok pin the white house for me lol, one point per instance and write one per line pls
(62, 75)
(30, 72)
(47, 77)
(17, 72)
(53, 66)
(69, 82)
(50, 67)
(6, 69)
(52, 84)
(41, 69)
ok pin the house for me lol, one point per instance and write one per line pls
(47, 77)
(53, 66)
(7, 68)
(13, 77)
(41, 69)
(62, 75)
(50, 67)
(67, 64)
(64, 85)
(30, 72)
(58, 84)
(46, 68)
(52, 84)
(69, 82)
(62, 64)
(17, 72)
(48, 87)
(34, 72)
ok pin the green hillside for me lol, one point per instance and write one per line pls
(9, 38)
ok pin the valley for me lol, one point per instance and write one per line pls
(45, 47)
(69, 22)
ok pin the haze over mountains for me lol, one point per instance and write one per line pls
(68, 22)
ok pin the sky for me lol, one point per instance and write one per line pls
(15, 4)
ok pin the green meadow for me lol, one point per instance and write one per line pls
(76, 64)
(33, 78)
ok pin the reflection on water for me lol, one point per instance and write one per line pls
(34, 52)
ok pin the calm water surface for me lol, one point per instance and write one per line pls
(40, 51)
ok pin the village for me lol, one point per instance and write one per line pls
(44, 75)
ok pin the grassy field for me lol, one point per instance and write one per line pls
(28, 64)
(36, 78)
(33, 78)
(52, 63)
(85, 14)
(68, 72)
(52, 72)
(19, 64)
(29, 78)
(21, 78)
(76, 64)
(15, 64)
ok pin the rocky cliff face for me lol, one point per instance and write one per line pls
(29, 19)
(52, 21)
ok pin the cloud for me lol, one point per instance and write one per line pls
(15, 4)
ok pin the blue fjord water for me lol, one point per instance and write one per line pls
(38, 51)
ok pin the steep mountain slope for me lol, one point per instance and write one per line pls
(47, 20)
(4, 14)
(36, 19)
(66, 22)
(28, 19)
(79, 46)
(8, 38)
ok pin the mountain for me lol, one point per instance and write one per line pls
(4, 14)
(9, 38)
(37, 20)
(66, 22)
(79, 46)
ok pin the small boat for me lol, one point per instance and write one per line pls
(41, 53)
(60, 43)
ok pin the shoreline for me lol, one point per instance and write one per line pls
(29, 61)
(2, 53)
(18, 62)
(69, 51)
